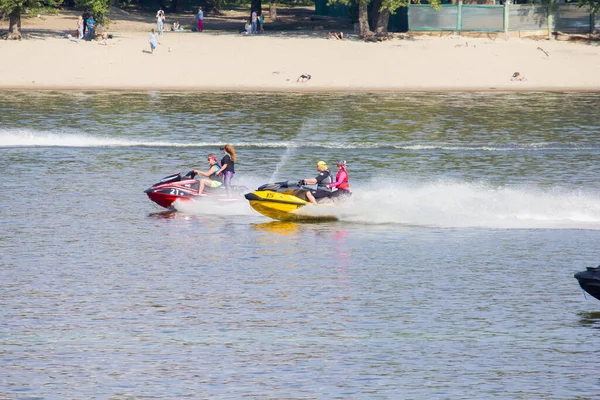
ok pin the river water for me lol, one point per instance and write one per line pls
(449, 275)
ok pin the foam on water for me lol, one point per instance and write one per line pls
(453, 204)
(441, 204)
(214, 207)
(72, 138)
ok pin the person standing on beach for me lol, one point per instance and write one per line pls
(160, 21)
(200, 19)
(261, 21)
(254, 22)
(85, 17)
(90, 28)
(80, 28)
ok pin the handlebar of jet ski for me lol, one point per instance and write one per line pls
(190, 174)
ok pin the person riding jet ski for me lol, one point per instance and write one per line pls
(341, 181)
(214, 180)
(323, 180)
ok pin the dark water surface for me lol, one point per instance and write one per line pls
(450, 276)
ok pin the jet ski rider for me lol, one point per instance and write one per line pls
(227, 165)
(323, 180)
(214, 180)
(341, 181)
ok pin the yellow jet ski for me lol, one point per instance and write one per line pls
(285, 201)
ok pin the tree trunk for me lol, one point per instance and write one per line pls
(173, 8)
(255, 5)
(374, 14)
(382, 22)
(14, 30)
(273, 10)
(363, 20)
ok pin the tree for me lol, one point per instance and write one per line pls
(98, 8)
(380, 11)
(273, 9)
(14, 9)
(255, 5)
(594, 5)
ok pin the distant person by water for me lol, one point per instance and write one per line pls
(261, 21)
(517, 76)
(200, 19)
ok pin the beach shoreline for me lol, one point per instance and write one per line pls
(315, 90)
(218, 61)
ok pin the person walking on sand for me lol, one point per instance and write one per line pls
(200, 19)
(153, 41)
(160, 21)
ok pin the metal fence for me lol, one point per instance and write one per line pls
(572, 19)
(465, 17)
(482, 18)
(527, 17)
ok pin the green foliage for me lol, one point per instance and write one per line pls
(45, 10)
(99, 8)
(593, 5)
(32, 6)
(390, 5)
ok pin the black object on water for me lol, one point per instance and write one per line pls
(589, 280)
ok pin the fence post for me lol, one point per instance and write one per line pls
(459, 16)
(506, 19)
(550, 19)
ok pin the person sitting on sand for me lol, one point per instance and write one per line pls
(303, 78)
(518, 77)
(336, 36)
(176, 27)
(247, 28)
(104, 37)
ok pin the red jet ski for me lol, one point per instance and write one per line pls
(185, 188)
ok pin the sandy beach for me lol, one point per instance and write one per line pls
(225, 60)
